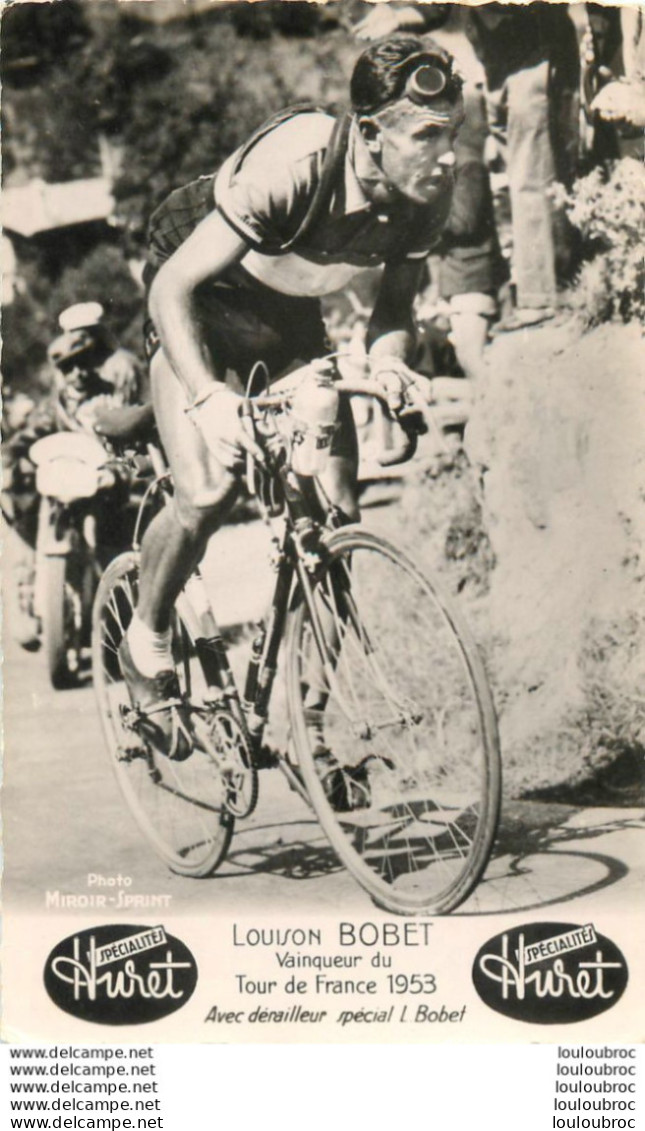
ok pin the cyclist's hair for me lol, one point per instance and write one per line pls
(379, 75)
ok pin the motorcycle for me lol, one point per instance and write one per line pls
(70, 474)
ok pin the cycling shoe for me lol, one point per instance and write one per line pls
(346, 787)
(163, 718)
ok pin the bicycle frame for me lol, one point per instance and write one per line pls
(292, 562)
(297, 556)
(400, 765)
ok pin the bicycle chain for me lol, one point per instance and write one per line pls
(234, 763)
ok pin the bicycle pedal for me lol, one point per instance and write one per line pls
(131, 717)
(347, 788)
(213, 701)
(266, 758)
(130, 752)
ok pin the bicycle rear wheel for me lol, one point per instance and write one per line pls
(178, 806)
(402, 703)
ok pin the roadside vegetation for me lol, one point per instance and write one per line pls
(169, 101)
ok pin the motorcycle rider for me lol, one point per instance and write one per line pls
(89, 378)
(86, 366)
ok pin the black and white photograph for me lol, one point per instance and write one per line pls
(323, 526)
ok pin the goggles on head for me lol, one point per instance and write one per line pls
(425, 83)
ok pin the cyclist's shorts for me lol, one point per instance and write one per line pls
(242, 322)
(241, 319)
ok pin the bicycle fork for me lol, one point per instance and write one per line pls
(339, 607)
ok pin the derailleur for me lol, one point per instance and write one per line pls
(229, 747)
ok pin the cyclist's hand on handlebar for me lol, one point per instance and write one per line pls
(106, 478)
(395, 377)
(420, 390)
(227, 434)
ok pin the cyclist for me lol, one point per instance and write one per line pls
(237, 262)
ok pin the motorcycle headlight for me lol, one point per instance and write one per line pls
(67, 480)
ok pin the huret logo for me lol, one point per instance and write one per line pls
(120, 974)
(550, 973)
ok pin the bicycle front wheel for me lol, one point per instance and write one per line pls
(179, 806)
(393, 726)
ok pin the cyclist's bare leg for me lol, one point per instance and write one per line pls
(204, 491)
(168, 555)
(172, 546)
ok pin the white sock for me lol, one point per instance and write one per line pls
(150, 651)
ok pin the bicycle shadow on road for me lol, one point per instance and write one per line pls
(539, 860)
(540, 857)
(292, 850)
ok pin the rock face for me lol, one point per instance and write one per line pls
(558, 430)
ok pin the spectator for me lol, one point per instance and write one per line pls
(622, 100)
(530, 59)
(89, 378)
(87, 365)
(471, 269)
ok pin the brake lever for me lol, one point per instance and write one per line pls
(272, 445)
(411, 423)
(246, 416)
(401, 454)
(419, 406)
(412, 419)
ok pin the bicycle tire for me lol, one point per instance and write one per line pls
(59, 629)
(178, 805)
(410, 719)
(88, 584)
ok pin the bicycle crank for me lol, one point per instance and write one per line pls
(222, 737)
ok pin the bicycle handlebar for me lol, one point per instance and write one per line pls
(436, 401)
(401, 453)
(284, 389)
(407, 447)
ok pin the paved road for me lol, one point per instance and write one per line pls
(64, 817)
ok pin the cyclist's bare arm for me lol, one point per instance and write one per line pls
(390, 331)
(208, 251)
(391, 335)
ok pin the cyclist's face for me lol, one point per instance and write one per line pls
(415, 153)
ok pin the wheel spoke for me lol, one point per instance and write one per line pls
(178, 805)
(405, 711)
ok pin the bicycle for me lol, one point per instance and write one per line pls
(392, 734)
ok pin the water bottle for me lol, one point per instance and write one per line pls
(314, 413)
